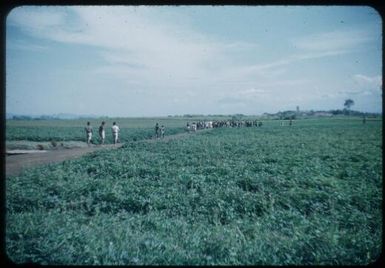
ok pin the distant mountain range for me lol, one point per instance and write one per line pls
(304, 114)
(45, 117)
(279, 115)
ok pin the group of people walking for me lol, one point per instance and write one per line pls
(159, 132)
(102, 132)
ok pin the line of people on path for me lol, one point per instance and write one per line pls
(102, 132)
(159, 132)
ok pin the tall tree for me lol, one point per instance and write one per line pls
(348, 103)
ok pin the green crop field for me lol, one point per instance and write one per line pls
(73, 130)
(306, 194)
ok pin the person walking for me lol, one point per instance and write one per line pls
(115, 132)
(102, 132)
(88, 130)
(157, 130)
(162, 131)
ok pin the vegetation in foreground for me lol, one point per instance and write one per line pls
(306, 194)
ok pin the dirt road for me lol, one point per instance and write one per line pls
(15, 164)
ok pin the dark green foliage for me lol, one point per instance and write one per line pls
(309, 194)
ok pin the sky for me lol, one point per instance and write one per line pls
(131, 61)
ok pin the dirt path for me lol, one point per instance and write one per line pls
(15, 164)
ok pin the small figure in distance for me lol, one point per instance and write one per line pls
(157, 130)
(115, 132)
(88, 130)
(364, 120)
(290, 122)
(102, 132)
(162, 131)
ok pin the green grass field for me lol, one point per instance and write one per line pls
(132, 129)
(73, 130)
(306, 194)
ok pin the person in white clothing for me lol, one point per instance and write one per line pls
(102, 132)
(162, 131)
(115, 132)
(88, 130)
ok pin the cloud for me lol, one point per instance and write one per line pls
(252, 92)
(232, 101)
(330, 95)
(355, 92)
(373, 82)
(277, 67)
(21, 45)
(314, 46)
(363, 85)
(138, 42)
(333, 41)
(264, 93)
(151, 54)
(122, 32)
(319, 54)
(35, 19)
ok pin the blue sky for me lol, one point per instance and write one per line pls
(167, 60)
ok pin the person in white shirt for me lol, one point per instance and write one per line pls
(102, 133)
(162, 131)
(115, 132)
(88, 130)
